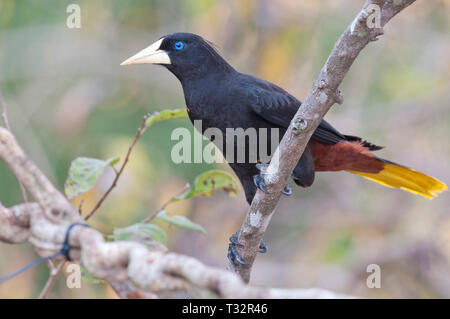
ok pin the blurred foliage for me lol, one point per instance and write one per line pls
(68, 97)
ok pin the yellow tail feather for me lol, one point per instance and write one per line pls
(398, 176)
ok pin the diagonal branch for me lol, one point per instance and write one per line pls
(129, 267)
(44, 224)
(6, 121)
(35, 222)
(55, 205)
(323, 94)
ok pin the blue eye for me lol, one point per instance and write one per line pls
(179, 45)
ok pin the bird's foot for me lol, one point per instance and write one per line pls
(233, 255)
(287, 190)
(259, 182)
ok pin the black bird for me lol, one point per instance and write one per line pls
(224, 98)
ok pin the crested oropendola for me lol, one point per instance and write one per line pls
(224, 98)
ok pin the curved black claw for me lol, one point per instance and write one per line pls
(262, 247)
(233, 255)
(287, 190)
(258, 180)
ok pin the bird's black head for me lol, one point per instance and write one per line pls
(186, 55)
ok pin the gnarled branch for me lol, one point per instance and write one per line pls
(131, 268)
(128, 265)
(323, 94)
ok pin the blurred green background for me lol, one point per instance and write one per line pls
(68, 97)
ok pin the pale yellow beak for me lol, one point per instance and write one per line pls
(150, 55)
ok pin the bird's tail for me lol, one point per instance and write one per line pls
(398, 176)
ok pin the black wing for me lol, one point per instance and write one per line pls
(277, 106)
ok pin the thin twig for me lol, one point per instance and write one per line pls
(119, 173)
(4, 112)
(80, 207)
(151, 217)
(6, 121)
(54, 272)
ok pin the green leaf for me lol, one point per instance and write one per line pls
(181, 221)
(165, 115)
(208, 183)
(146, 234)
(83, 174)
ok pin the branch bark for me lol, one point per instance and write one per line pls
(323, 94)
(6, 122)
(51, 206)
(131, 268)
(127, 265)
(54, 272)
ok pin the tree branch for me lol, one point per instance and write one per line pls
(6, 121)
(152, 271)
(128, 266)
(54, 272)
(323, 94)
(149, 218)
(15, 222)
